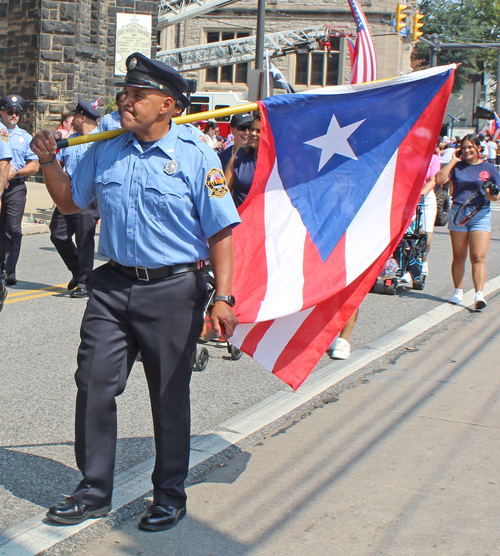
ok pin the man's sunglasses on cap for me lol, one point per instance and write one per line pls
(12, 112)
(243, 127)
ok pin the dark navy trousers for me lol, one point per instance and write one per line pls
(163, 319)
(78, 258)
(11, 215)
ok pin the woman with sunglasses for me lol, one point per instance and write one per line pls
(470, 215)
(241, 168)
(240, 127)
(211, 133)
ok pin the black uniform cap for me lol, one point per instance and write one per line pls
(83, 107)
(12, 101)
(183, 102)
(153, 74)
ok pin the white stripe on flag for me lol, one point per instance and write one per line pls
(241, 332)
(277, 337)
(285, 239)
(370, 230)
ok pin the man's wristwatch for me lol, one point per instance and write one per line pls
(18, 175)
(229, 299)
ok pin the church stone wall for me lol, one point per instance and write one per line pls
(54, 52)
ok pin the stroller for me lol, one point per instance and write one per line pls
(408, 257)
(208, 335)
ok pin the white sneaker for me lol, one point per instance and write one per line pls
(479, 301)
(425, 268)
(339, 349)
(457, 296)
(406, 278)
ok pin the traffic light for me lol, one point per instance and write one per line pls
(417, 26)
(400, 17)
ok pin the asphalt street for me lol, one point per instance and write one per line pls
(39, 336)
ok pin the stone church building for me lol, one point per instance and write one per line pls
(54, 52)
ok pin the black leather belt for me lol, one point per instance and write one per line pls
(16, 181)
(147, 274)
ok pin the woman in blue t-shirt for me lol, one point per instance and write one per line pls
(467, 172)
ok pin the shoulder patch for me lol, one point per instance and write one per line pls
(202, 137)
(4, 135)
(216, 183)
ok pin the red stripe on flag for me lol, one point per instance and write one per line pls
(328, 276)
(249, 237)
(255, 335)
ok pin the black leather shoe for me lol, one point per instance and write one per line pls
(72, 284)
(79, 292)
(161, 518)
(71, 512)
(10, 279)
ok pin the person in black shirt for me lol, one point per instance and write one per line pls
(240, 127)
(241, 168)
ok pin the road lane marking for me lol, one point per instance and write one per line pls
(24, 292)
(36, 534)
(23, 295)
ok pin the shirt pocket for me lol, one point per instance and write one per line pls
(111, 187)
(163, 195)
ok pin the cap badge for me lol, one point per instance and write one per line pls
(171, 167)
(132, 63)
(14, 99)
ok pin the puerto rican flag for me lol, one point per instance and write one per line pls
(494, 127)
(338, 176)
(364, 66)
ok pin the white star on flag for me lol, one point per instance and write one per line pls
(335, 141)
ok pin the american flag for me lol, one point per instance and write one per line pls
(364, 67)
(338, 177)
(494, 127)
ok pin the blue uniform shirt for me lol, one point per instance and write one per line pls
(109, 122)
(5, 151)
(70, 156)
(157, 207)
(20, 140)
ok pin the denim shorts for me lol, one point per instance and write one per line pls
(481, 222)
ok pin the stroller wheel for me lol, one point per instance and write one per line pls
(201, 360)
(419, 283)
(389, 287)
(235, 352)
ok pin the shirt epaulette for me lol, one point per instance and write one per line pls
(190, 138)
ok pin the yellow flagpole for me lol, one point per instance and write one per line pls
(229, 111)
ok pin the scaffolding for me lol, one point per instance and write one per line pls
(171, 12)
(241, 50)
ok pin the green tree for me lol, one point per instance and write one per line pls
(461, 21)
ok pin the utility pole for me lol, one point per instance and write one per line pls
(497, 100)
(259, 45)
(434, 51)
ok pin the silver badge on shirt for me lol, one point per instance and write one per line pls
(171, 167)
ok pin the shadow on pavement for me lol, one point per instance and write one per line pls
(38, 479)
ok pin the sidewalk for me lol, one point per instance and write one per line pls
(406, 463)
(40, 204)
